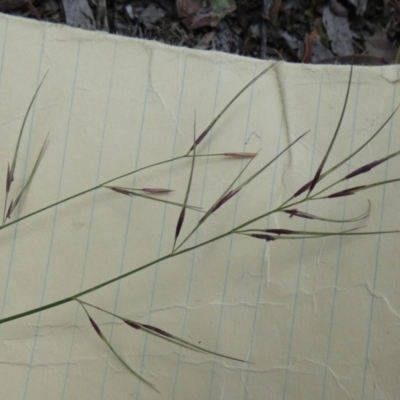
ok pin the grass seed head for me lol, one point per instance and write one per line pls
(157, 190)
(346, 192)
(241, 155)
(264, 236)
(294, 212)
(281, 231)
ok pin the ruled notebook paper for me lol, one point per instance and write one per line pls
(317, 319)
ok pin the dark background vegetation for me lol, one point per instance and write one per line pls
(313, 31)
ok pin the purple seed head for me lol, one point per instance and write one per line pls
(316, 177)
(365, 168)
(302, 189)
(281, 231)
(158, 330)
(346, 192)
(9, 179)
(156, 190)
(122, 191)
(132, 324)
(294, 212)
(228, 196)
(264, 236)
(96, 327)
(240, 155)
(199, 139)
(17, 201)
(180, 222)
(10, 209)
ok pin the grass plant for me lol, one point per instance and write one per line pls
(314, 190)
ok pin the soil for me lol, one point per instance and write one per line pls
(311, 31)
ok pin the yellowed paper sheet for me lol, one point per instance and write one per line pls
(315, 319)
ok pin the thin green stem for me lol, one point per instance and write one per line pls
(339, 164)
(90, 190)
(359, 189)
(103, 184)
(321, 167)
(106, 283)
(252, 177)
(210, 211)
(216, 119)
(166, 257)
(181, 217)
(165, 335)
(133, 193)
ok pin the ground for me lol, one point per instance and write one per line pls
(311, 31)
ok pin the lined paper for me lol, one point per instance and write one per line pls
(316, 319)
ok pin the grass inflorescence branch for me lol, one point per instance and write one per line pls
(247, 228)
